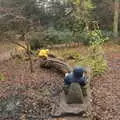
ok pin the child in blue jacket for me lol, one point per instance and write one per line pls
(76, 76)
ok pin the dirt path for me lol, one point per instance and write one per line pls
(106, 90)
(4, 56)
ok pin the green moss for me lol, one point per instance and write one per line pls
(2, 77)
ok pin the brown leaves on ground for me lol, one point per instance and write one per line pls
(34, 91)
(105, 90)
(27, 96)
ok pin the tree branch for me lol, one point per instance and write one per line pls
(19, 45)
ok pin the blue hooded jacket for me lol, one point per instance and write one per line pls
(76, 76)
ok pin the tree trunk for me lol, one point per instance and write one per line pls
(116, 17)
(28, 51)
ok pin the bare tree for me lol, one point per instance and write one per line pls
(116, 16)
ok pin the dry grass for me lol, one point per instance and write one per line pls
(66, 53)
(111, 47)
(7, 46)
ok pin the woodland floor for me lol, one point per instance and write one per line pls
(106, 95)
(26, 96)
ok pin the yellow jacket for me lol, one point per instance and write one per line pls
(43, 53)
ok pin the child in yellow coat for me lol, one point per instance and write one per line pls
(43, 53)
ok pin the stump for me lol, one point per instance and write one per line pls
(75, 95)
(78, 111)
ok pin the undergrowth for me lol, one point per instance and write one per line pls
(92, 57)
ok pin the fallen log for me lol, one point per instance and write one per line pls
(54, 63)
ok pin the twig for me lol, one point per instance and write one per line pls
(19, 45)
